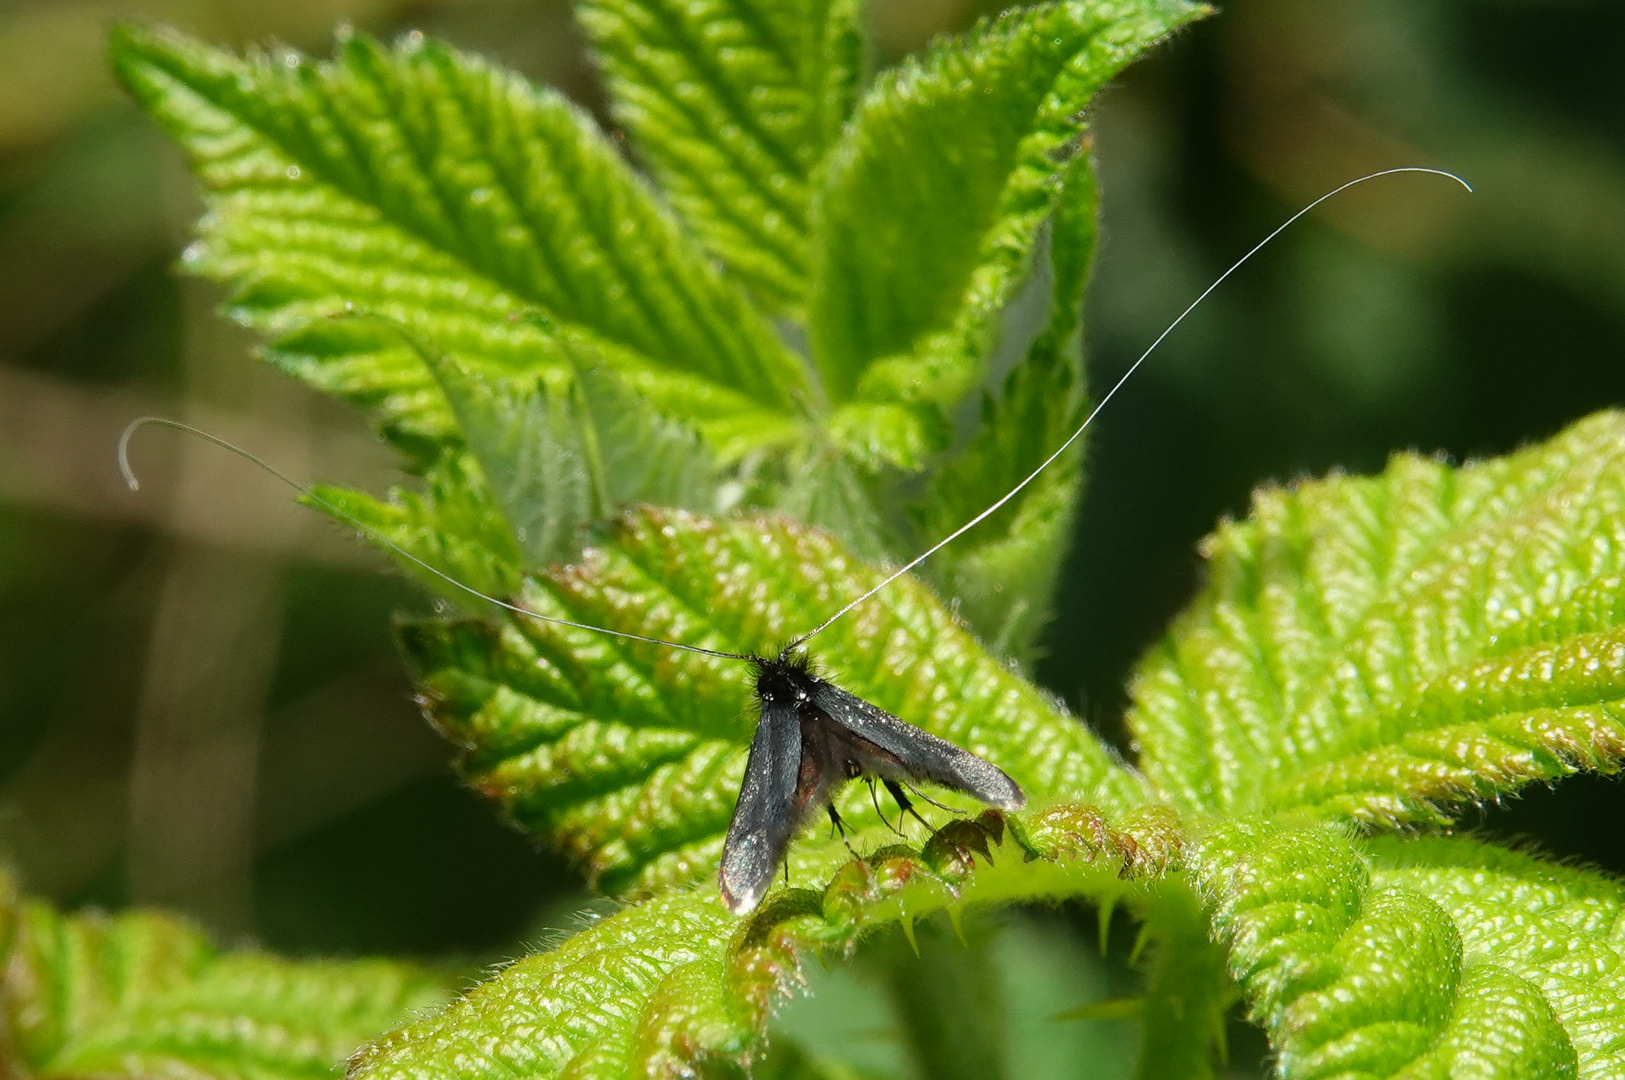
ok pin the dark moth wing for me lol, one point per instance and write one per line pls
(921, 755)
(765, 816)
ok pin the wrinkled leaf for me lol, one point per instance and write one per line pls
(1379, 648)
(640, 456)
(929, 206)
(1003, 572)
(144, 994)
(629, 755)
(733, 103)
(1558, 928)
(1355, 977)
(826, 489)
(534, 456)
(452, 523)
(428, 186)
(675, 981)
(556, 461)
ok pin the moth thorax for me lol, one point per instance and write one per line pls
(784, 681)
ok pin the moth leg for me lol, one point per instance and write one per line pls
(918, 794)
(873, 798)
(905, 804)
(840, 827)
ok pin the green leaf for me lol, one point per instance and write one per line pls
(1352, 977)
(453, 524)
(534, 456)
(786, 1060)
(734, 103)
(1558, 928)
(929, 206)
(1002, 574)
(428, 186)
(1188, 990)
(676, 982)
(825, 488)
(1379, 648)
(949, 999)
(557, 461)
(629, 755)
(143, 994)
(640, 456)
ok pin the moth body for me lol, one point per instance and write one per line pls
(811, 739)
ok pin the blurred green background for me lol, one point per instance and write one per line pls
(199, 705)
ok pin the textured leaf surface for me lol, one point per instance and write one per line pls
(1558, 928)
(429, 186)
(1002, 573)
(1371, 978)
(143, 995)
(733, 103)
(629, 755)
(452, 523)
(930, 204)
(1376, 648)
(676, 980)
(533, 454)
(557, 460)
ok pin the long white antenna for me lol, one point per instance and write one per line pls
(1101, 404)
(306, 493)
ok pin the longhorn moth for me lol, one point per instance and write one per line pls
(812, 737)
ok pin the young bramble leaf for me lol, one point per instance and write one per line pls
(638, 455)
(1557, 928)
(676, 982)
(143, 994)
(1355, 976)
(453, 524)
(533, 455)
(929, 206)
(733, 103)
(428, 186)
(828, 489)
(1003, 573)
(1379, 648)
(558, 460)
(629, 755)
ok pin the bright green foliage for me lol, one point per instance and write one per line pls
(925, 219)
(629, 755)
(1356, 973)
(1002, 571)
(733, 103)
(558, 460)
(1380, 648)
(144, 995)
(676, 980)
(456, 211)
(1567, 938)
(554, 343)
(426, 185)
(453, 524)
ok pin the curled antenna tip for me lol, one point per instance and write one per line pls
(1446, 173)
(124, 451)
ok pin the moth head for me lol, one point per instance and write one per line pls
(783, 678)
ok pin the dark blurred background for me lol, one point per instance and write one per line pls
(199, 705)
